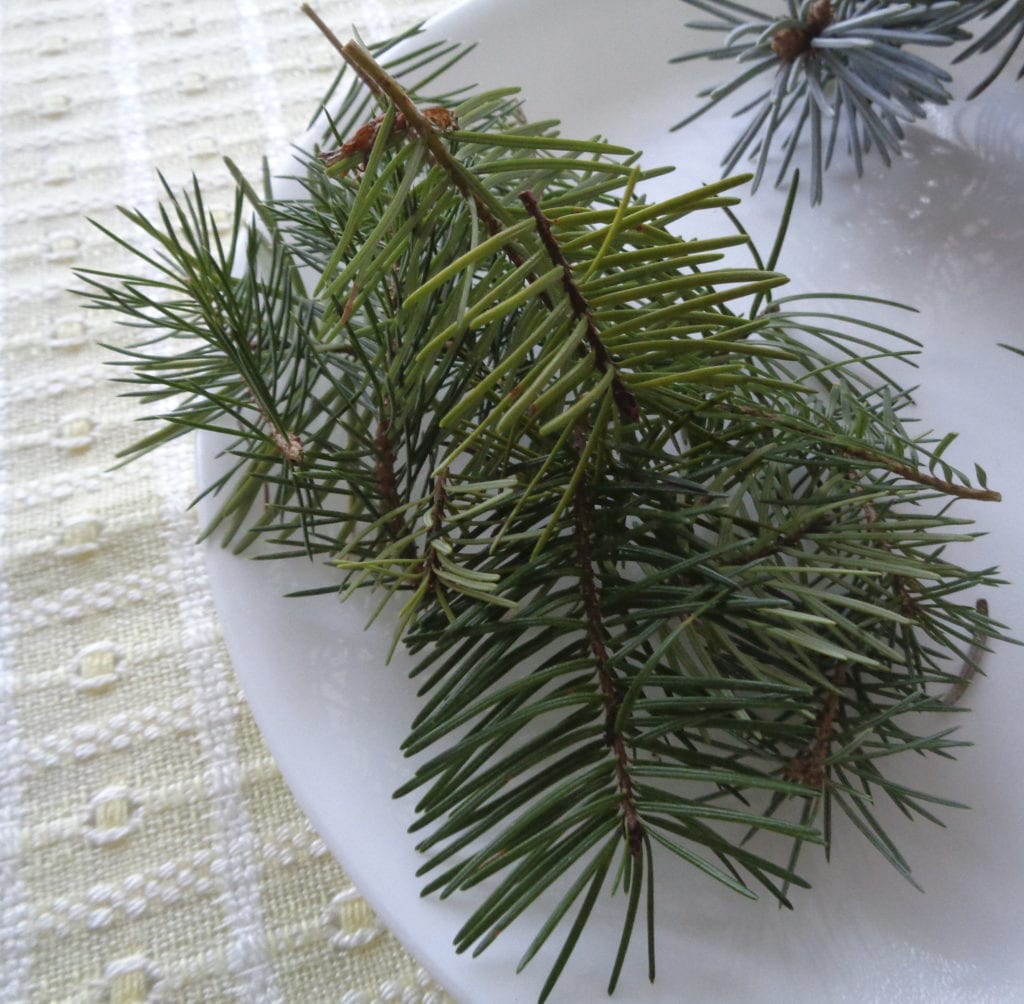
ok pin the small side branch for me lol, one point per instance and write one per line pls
(384, 85)
(625, 400)
(337, 43)
(290, 446)
(782, 543)
(921, 478)
(879, 460)
(287, 442)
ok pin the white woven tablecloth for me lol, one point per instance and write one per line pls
(149, 849)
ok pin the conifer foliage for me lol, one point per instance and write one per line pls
(674, 568)
(844, 78)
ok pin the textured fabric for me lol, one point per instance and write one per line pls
(149, 849)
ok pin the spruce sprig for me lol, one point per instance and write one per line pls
(840, 73)
(675, 567)
(842, 79)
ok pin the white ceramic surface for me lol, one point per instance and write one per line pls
(944, 231)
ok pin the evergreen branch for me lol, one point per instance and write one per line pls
(325, 30)
(387, 481)
(626, 633)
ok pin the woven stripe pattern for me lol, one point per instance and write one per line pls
(149, 848)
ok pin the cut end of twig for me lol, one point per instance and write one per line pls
(322, 25)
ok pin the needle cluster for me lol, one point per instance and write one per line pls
(844, 76)
(676, 570)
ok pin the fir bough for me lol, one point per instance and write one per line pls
(675, 569)
(844, 76)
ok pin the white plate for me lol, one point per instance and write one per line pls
(945, 231)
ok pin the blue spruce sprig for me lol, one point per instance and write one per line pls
(840, 74)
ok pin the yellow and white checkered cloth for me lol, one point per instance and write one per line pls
(149, 849)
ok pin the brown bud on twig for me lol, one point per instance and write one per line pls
(795, 41)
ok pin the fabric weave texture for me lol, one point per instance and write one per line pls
(149, 848)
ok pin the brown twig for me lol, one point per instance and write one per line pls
(384, 85)
(361, 142)
(290, 446)
(337, 43)
(597, 637)
(625, 400)
(387, 479)
(791, 539)
(418, 121)
(809, 767)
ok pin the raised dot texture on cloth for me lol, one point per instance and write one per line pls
(128, 980)
(80, 537)
(54, 105)
(61, 247)
(96, 667)
(74, 433)
(52, 45)
(349, 921)
(67, 333)
(113, 814)
(182, 24)
(57, 172)
(203, 146)
(192, 83)
(149, 849)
